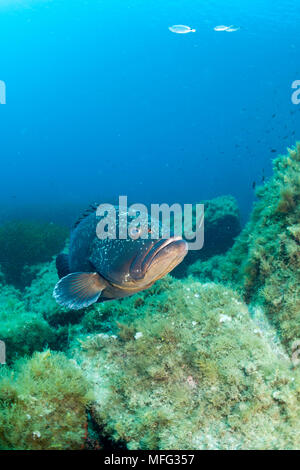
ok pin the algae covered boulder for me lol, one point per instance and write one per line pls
(25, 243)
(221, 227)
(43, 404)
(31, 320)
(22, 330)
(203, 362)
(191, 369)
(39, 297)
(265, 259)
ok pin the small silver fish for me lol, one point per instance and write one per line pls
(228, 29)
(232, 29)
(181, 29)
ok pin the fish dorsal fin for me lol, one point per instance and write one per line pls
(92, 208)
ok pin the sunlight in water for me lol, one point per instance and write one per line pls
(18, 4)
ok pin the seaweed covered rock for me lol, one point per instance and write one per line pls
(190, 369)
(2, 278)
(43, 404)
(105, 317)
(39, 297)
(265, 260)
(24, 243)
(31, 320)
(23, 331)
(221, 227)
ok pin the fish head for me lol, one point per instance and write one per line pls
(135, 263)
(160, 258)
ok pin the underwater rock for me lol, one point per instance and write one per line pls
(24, 243)
(31, 320)
(221, 227)
(39, 298)
(43, 404)
(23, 331)
(2, 278)
(265, 259)
(29, 273)
(190, 369)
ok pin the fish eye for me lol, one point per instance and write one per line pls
(134, 232)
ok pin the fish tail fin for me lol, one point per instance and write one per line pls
(62, 265)
(78, 290)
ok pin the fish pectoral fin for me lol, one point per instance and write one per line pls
(79, 290)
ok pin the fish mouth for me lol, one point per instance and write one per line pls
(164, 255)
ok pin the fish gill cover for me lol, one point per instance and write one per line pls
(186, 103)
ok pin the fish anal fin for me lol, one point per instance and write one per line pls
(79, 290)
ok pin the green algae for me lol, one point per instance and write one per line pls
(192, 370)
(43, 404)
(39, 298)
(264, 262)
(199, 363)
(31, 320)
(221, 227)
(22, 331)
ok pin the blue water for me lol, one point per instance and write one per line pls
(102, 100)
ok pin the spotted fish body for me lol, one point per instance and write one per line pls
(97, 269)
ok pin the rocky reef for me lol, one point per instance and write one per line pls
(24, 244)
(43, 404)
(30, 319)
(208, 361)
(189, 367)
(264, 263)
(221, 227)
(22, 331)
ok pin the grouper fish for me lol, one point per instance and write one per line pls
(97, 270)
